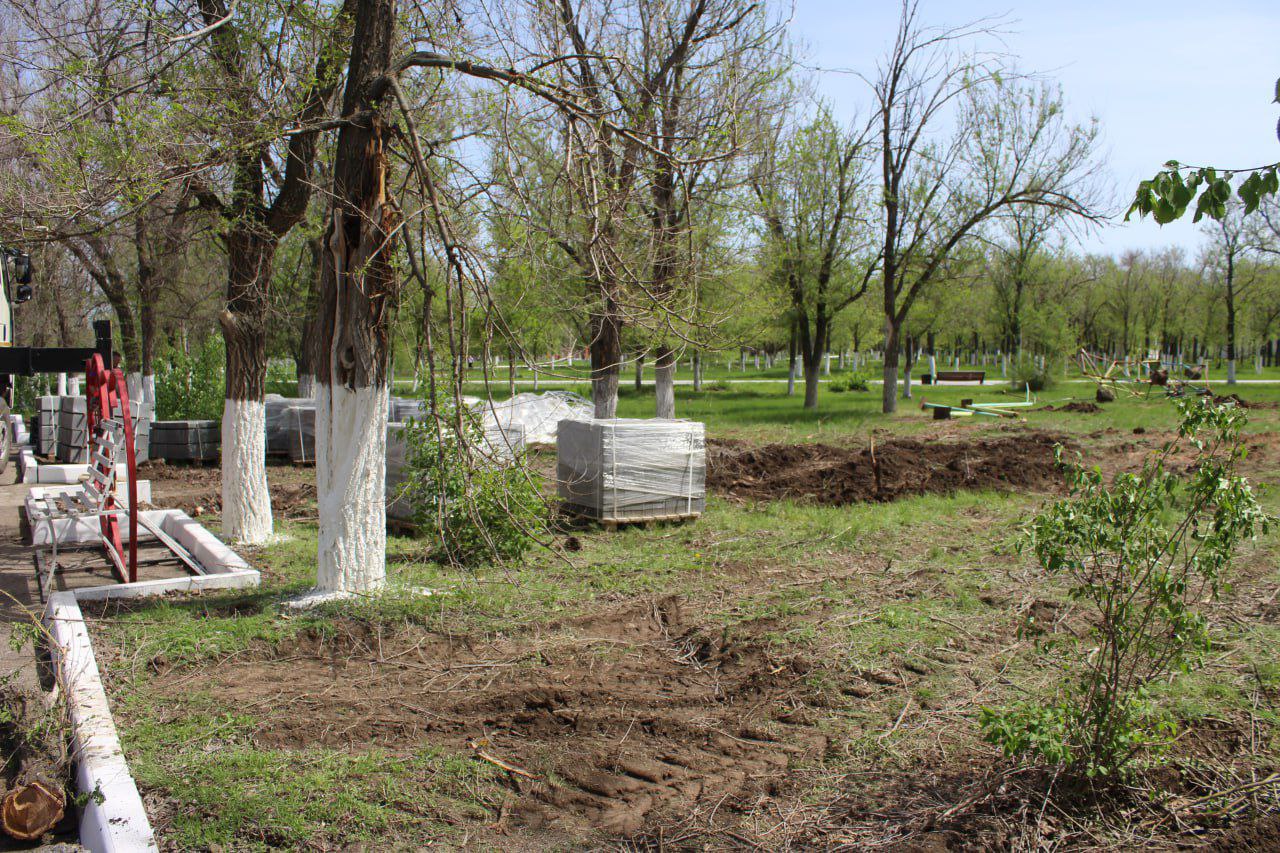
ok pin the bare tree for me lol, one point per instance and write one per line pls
(1227, 261)
(1010, 146)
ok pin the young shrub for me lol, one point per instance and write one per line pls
(858, 381)
(1028, 375)
(475, 507)
(1140, 554)
(191, 386)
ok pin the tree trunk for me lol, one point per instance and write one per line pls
(791, 361)
(246, 501)
(664, 382)
(697, 370)
(305, 358)
(889, 392)
(639, 372)
(606, 353)
(358, 283)
(1231, 322)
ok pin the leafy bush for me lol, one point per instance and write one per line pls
(191, 386)
(1029, 375)
(1139, 553)
(476, 509)
(28, 389)
(858, 381)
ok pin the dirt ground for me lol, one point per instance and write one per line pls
(883, 470)
(645, 723)
(197, 489)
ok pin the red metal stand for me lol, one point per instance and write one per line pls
(108, 397)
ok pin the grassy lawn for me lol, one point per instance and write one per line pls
(801, 674)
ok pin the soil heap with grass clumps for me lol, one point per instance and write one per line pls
(1083, 407)
(885, 471)
(1241, 402)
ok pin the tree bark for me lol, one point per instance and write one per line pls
(639, 372)
(358, 287)
(791, 360)
(246, 500)
(664, 382)
(697, 370)
(889, 392)
(606, 356)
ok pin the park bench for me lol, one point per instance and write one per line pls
(979, 376)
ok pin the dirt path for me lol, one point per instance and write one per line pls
(19, 597)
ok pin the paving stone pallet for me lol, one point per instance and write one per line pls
(629, 470)
(186, 441)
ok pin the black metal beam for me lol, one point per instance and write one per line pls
(28, 361)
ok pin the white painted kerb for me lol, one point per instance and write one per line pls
(119, 823)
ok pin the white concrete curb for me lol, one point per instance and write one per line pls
(119, 824)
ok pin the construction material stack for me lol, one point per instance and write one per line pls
(73, 436)
(291, 428)
(622, 470)
(44, 427)
(186, 441)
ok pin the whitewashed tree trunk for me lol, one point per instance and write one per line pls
(307, 385)
(664, 383)
(149, 389)
(246, 500)
(1231, 371)
(62, 384)
(351, 458)
(134, 382)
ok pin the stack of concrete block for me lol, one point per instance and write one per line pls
(18, 434)
(44, 426)
(73, 430)
(629, 470)
(143, 416)
(186, 441)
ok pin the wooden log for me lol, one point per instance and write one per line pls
(35, 800)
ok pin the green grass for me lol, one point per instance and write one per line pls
(891, 588)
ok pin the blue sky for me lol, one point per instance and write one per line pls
(1176, 79)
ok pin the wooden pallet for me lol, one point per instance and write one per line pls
(612, 524)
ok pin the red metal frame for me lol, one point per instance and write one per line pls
(108, 394)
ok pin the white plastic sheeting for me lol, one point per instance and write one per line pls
(536, 415)
(629, 469)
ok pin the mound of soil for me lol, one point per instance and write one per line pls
(605, 723)
(886, 471)
(1242, 403)
(1084, 407)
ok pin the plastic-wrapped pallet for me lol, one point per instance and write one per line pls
(300, 432)
(626, 470)
(398, 508)
(186, 441)
(282, 427)
(498, 446)
(536, 414)
(400, 410)
(502, 443)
